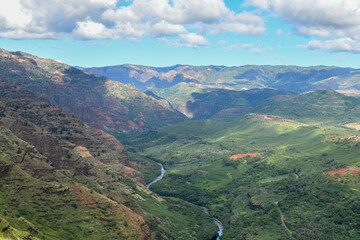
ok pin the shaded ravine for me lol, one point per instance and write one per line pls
(159, 177)
(220, 226)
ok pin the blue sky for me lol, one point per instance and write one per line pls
(197, 32)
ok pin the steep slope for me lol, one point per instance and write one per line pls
(61, 179)
(100, 102)
(204, 101)
(182, 94)
(54, 174)
(293, 78)
(320, 105)
(201, 102)
(38, 198)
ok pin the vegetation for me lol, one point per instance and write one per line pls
(267, 163)
(61, 179)
(284, 193)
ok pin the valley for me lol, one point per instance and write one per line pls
(86, 157)
(179, 120)
(282, 193)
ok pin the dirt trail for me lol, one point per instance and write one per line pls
(282, 220)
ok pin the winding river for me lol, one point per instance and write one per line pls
(220, 226)
(159, 177)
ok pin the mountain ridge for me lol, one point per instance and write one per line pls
(250, 76)
(100, 102)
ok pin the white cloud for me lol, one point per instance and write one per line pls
(241, 23)
(99, 19)
(312, 45)
(322, 18)
(192, 40)
(279, 31)
(166, 29)
(334, 45)
(338, 21)
(89, 29)
(12, 15)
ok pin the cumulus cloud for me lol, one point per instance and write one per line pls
(106, 19)
(317, 17)
(334, 45)
(335, 20)
(192, 40)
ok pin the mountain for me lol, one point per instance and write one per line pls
(142, 77)
(61, 179)
(56, 173)
(320, 105)
(220, 92)
(292, 78)
(102, 103)
(267, 154)
(203, 101)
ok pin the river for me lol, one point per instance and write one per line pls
(220, 226)
(159, 177)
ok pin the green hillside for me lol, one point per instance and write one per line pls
(202, 101)
(320, 105)
(61, 179)
(283, 193)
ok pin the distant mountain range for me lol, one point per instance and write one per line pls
(293, 78)
(228, 92)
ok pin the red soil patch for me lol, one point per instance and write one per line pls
(343, 171)
(236, 156)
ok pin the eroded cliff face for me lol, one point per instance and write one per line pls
(100, 102)
(66, 172)
(40, 195)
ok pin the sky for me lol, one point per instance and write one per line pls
(92, 33)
